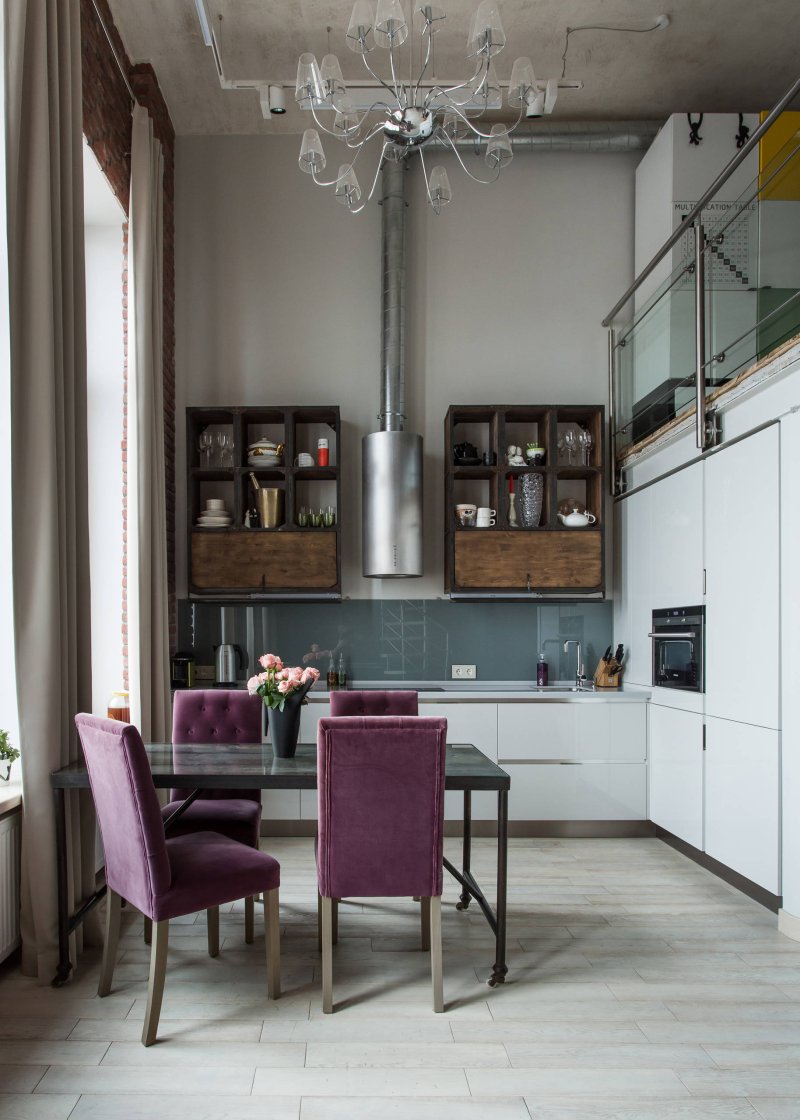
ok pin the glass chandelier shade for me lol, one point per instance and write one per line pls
(408, 116)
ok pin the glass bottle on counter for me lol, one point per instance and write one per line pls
(342, 674)
(119, 707)
(332, 679)
(542, 670)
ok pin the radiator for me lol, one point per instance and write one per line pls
(10, 830)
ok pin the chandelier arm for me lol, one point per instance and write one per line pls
(324, 127)
(378, 79)
(358, 209)
(359, 149)
(366, 139)
(399, 90)
(481, 135)
(475, 178)
(451, 89)
(425, 177)
(424, 65)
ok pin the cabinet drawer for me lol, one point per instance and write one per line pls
(577, 792)
(264, 560)
(600, 732)
(536, 558)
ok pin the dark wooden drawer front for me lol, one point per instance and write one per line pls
(264, 560)
(552, 559)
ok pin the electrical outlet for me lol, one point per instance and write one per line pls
(204, 672)
(463, 672)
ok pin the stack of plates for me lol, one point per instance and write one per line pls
(264, 453)
(215, 516)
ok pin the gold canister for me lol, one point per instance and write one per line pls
(270, 502)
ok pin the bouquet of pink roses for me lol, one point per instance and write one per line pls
(276, 683)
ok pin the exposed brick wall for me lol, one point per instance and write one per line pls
(107, 111)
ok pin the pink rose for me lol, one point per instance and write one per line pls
(284, 686)
(282, 675)
(309, 675)
(252, 685)
(270, 661)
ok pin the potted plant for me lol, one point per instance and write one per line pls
(283, 691)
(8, 754)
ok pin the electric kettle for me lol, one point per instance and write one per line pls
(225, 663)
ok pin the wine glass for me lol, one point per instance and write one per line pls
(586, 443)
(204, 443)
(223, 442)
(570, 443)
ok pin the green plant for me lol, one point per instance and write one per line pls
(8, 754)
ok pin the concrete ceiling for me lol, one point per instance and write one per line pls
(715, 56)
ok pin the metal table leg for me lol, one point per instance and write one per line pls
(64, 963)
(466, 849)
(500, 967)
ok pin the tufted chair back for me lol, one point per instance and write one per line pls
(137, 864)
(372, 702)
(217, 715)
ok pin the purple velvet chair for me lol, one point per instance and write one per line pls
(374, 702)
(380, 786)
(222, 716)
(164, 878)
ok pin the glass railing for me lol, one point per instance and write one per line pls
(723, 292)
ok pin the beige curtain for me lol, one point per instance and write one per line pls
(148, 611)
(48, 424)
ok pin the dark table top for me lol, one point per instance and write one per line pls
(253, 765)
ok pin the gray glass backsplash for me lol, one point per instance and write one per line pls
(404, 639)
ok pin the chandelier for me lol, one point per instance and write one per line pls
(414, 114)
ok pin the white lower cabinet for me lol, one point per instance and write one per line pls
(468, 723)
(742, 799)
(575, 761)
(676, 772)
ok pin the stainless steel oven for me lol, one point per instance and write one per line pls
(678, 648)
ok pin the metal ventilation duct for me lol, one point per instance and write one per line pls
(391, 459)
(597, 137)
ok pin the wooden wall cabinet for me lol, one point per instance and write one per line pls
(510, 561)
(292, 561)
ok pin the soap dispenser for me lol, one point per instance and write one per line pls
(541, 670)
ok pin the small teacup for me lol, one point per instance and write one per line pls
(485, 517)
(466, 517)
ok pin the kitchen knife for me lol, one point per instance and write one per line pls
(607, 654)
(619, 652)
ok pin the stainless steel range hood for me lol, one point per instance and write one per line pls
(391, 459)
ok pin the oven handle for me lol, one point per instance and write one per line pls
(674, 634)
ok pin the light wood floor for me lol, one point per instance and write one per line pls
(640, 988)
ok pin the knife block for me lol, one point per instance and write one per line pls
(608, 674)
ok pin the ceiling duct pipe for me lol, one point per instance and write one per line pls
(597, 137)
(391, 459)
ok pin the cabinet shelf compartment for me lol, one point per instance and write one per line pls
(266, 560)
(547, 557)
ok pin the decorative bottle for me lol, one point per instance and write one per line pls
(542, 670)
(342, 674)
(512, 503)
(333, 678)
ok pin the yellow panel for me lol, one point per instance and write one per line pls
(786, 185)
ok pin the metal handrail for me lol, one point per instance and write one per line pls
(722, 178)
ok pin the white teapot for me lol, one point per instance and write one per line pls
(577, 519)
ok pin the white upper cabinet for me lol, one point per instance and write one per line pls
(742, 552)
(676, 548)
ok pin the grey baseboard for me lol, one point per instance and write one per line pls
(722, 871)
(599, 829)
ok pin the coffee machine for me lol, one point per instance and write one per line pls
(181, 673)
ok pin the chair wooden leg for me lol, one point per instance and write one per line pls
(436, 953)
(249, 919)
(148, 931)
(319, 922)
(155, 986)
(272, 942)
(327, 955)
(212, 918)
(335, 921)
(425, 924)
(113, 908)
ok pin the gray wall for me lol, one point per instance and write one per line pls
(278, 300)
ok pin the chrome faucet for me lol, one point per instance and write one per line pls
(579, 674)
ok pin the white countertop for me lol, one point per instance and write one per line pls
(451, 692)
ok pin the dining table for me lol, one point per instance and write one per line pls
(206, 766)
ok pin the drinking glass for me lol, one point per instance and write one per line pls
(302, 517)
(570, 443)
(329, 517)
(586, 443)
(204, 444)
